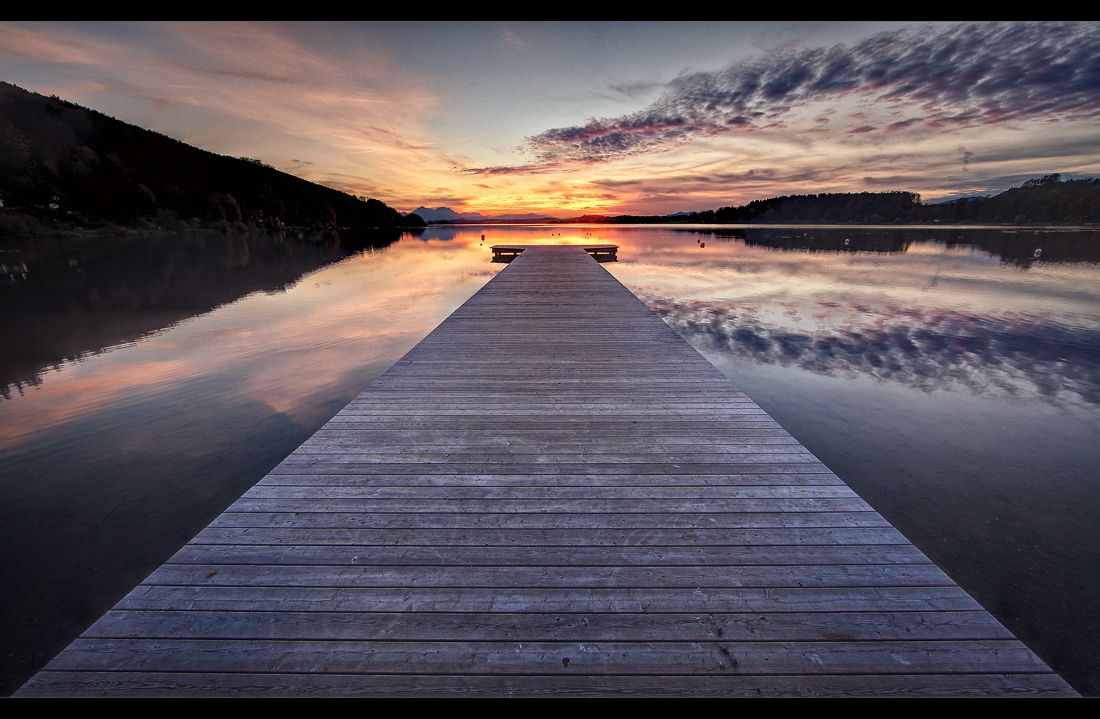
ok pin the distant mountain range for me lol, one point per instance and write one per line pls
(446, 214)
(442, 215)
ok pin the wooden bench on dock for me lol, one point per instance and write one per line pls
(602, 253)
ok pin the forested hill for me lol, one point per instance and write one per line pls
(1045, 199)
(1042, 200)
(873, 207)
(93, 167)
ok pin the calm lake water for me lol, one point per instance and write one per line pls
(950, 376)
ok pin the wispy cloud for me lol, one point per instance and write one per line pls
(173, 100)
(46, 46)
(246, 75)
(636, 90)
(510, 37)
(903, 124)
(969, 74)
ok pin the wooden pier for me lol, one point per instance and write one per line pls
(507, 253)
(552, 494)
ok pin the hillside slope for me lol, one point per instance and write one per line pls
(90, 166)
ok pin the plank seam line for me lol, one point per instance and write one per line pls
(565, 613)
(559, 674)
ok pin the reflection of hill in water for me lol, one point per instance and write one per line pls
(82, 295)
(924, 350)
(1011, 246)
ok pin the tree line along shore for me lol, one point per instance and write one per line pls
(1045, 200)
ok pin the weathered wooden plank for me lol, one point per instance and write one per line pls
(667, 556)
(578, 446)
(441, 479)
(297, 535)
(184, 684)
(570, 627)
(565, 522)
(213, 597)
(536, 495)
(336, 465)
(614, 657)
(504, 577)
(370, 433)
(533, 424)
(603, 506)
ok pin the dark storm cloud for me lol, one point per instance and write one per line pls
(968, 74)
(903, 125)
(966, 155)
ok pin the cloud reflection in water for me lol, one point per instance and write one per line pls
(923, 349)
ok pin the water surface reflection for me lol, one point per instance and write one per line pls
(930, 350)
(67, 297)
(948, 375)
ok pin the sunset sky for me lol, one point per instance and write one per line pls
(566, 119)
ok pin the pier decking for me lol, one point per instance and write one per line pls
(551, 494)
